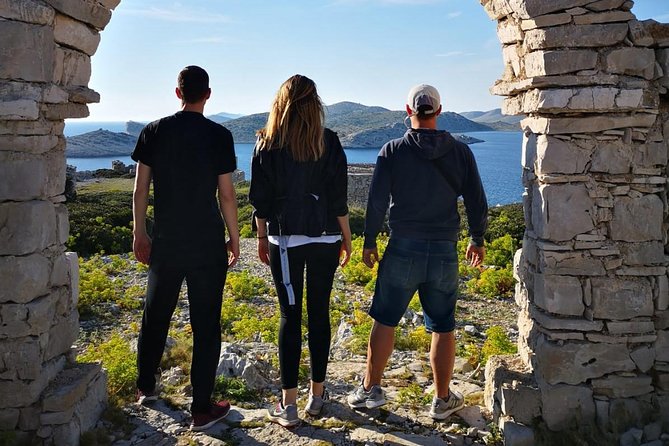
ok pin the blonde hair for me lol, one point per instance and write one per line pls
(295, 121)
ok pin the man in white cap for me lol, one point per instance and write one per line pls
(420, 177)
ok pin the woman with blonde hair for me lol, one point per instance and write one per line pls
(299, 191)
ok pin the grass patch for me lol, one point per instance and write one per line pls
(120, 363)
(413, 396)
(233, 389)
(106, 185)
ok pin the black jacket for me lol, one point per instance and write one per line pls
(300, 198)
(424, 173)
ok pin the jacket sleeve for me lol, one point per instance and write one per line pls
(379, 199)
(261, 192)
(476, 203)
(337, 193)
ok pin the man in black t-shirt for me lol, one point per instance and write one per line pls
(189, 158)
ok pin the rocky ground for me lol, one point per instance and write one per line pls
(402, 421)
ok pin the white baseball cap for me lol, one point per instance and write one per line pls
(424, 98)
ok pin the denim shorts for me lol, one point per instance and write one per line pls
(427, 266)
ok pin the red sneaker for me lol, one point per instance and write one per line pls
(145, 398)
(203, 421)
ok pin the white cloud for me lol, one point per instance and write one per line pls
(174, 15)
(454, 14)
(451, 54)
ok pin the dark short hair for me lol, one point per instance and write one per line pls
(193, 83)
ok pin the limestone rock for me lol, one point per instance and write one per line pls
(632, 61)
(548, 63)
(613, 157)
(87, 12)
(563, 405)
(604, 17)
(24, 177)
(589, 124)
(621, 299)
(516, 434)
(23, 278)
(574, 363)
(69, 387)
(626, 224)
(546, 21)
(615, 386)
(26, 227)
(27, 51)
(532, 8)
(662, 346)
(559, 294)
(559, 156)
(576, 36)
(75, 34)
(561, 212)
(30, 11)
(72, 68)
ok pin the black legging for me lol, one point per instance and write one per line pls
(321, 261)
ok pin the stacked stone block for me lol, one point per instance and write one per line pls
(593, 288)
(45, 66)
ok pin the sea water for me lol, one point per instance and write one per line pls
(498, 159)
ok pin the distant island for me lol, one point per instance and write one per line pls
(358, 126)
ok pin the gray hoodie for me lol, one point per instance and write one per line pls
(420, 176)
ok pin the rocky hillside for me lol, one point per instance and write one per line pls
(349, 118)
(100, 143)
(495, 119)
(379, 136)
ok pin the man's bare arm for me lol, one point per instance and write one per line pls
(141, 244)
(227, 199)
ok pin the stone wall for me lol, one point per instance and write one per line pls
(359, 180)
(593, 290)
(45, 67)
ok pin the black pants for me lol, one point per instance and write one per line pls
(321, 261)
(205, 290)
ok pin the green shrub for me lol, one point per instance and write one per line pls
(361, 327)
(243, 285)
(233, 389)
(500, 251)
(356, 271)
(101, 281)
(119, 361)
(95, 287)
(506, 220)
(101, 222)
(181, 353)
(356, 220)
(417, 339)
(496, 343)
(413, 396)
(493, 283)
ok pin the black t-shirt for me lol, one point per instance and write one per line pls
(186, 152)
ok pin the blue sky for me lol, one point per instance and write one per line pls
(366, 51)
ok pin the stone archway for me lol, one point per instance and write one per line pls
(593, 289)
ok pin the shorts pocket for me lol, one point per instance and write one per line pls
(396, 270)
(449, 274)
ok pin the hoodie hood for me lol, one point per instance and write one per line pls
(430, 144)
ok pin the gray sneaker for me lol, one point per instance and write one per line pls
(285, 416)
(361, 398)
(442, 409)
(315, 403)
